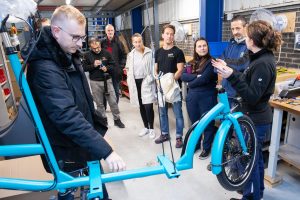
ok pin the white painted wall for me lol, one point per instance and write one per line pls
(181, 10)
(118, 23)
(170, 10)
(123, 21)
(231, 6)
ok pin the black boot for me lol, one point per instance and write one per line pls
(119, 124)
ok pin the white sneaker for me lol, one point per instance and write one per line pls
(143, 132)
(151, 134)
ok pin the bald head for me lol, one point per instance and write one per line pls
(110, 31)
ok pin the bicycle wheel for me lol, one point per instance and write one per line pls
(237, 167)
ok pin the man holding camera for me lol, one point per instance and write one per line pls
(99, 63)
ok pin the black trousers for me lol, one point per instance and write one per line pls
(70, 194)
(146, 110)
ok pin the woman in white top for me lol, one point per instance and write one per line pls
(141, 83)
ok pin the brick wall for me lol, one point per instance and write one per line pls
(226, 33)
(188, 45)
(289, 57)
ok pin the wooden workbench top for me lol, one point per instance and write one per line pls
(290, 105)
(291, 73)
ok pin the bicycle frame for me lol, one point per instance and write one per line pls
(63, 181)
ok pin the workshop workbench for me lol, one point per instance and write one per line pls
(287, 152)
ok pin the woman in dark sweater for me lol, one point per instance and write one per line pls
(255, 86)
(201, 97)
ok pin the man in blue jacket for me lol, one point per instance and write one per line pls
(61, 93)
(236, 54)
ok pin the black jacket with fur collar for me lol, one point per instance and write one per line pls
(62, 96)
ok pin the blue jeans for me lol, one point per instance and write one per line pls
(257, 177)
(116, 84)
(164, 120)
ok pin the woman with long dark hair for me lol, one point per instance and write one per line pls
(255, 86)
(201, 97)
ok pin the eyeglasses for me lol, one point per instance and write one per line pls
(95, 49)
(75, 38)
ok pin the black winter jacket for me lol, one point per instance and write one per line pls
(118, 54)
(256, 85)
(62, 96)
(95, 73)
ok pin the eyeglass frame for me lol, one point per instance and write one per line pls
(82, 38)
(97, 48)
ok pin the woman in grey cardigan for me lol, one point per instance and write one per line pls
(141, 83)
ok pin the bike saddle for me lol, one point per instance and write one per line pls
(236, 104)
(237, 100)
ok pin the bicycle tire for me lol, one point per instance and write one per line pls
(236, 167)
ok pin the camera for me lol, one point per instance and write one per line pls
(100, 66)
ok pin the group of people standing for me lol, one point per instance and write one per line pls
(104, 63)
(143, 82)
(246, 68)
(75, 129)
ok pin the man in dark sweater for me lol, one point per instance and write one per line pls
(99, 63)
(112, 44)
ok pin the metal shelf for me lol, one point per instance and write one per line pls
(290, 154)
(124, 83)
(7, 102)
(7, 97)
(96, 25)
(3, 83)
(96, 30)
(96, 20)
(125, 93)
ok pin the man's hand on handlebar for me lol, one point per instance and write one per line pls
(115, 162)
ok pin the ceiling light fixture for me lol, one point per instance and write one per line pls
(103, 2)
(68, 2)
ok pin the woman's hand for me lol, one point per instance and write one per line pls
(222, 68)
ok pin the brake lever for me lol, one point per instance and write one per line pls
(3, 24)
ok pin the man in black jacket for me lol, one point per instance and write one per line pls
(99, 63)
(113, 45)
(61, 93)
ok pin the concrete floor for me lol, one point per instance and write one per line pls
(197, 183)
(194, 184)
